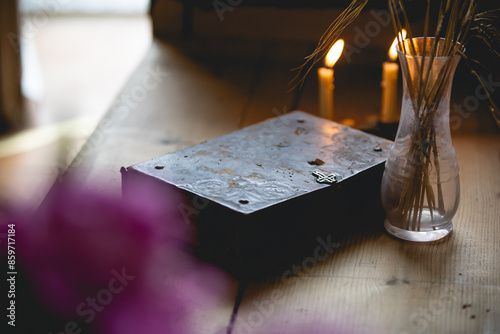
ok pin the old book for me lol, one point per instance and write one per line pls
(269, 191)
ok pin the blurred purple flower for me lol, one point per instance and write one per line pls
(71, 245)
(119, 265)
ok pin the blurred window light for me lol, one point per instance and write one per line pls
(85, 6)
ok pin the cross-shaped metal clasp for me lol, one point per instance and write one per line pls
(322, 178)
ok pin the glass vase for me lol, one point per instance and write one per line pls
(420, 186)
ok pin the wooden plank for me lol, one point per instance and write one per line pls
(185, 106)
(268, 96)
(170, 102)
(25, 178)
(359, 305)
(208, 291)
(376, 284)
(261, 71)
(238, 63)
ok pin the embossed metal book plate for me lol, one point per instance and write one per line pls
(268, 163)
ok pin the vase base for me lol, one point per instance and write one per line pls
(419, 236)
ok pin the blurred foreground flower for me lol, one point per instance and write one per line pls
(105, 265)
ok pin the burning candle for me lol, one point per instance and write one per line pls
(389, 111)
(325, 80)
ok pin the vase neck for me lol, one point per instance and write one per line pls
(427, 83)
(427, 79)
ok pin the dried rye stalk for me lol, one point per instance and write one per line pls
(457, 22)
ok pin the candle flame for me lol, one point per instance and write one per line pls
(334, 54)
(393, 54)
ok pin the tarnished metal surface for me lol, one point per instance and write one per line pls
(270, 162)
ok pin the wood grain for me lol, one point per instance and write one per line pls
(357, 305)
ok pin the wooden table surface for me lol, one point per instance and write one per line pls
(372, 283)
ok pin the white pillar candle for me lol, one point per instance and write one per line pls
(389, 112)
(326, 79)
(326, 87)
